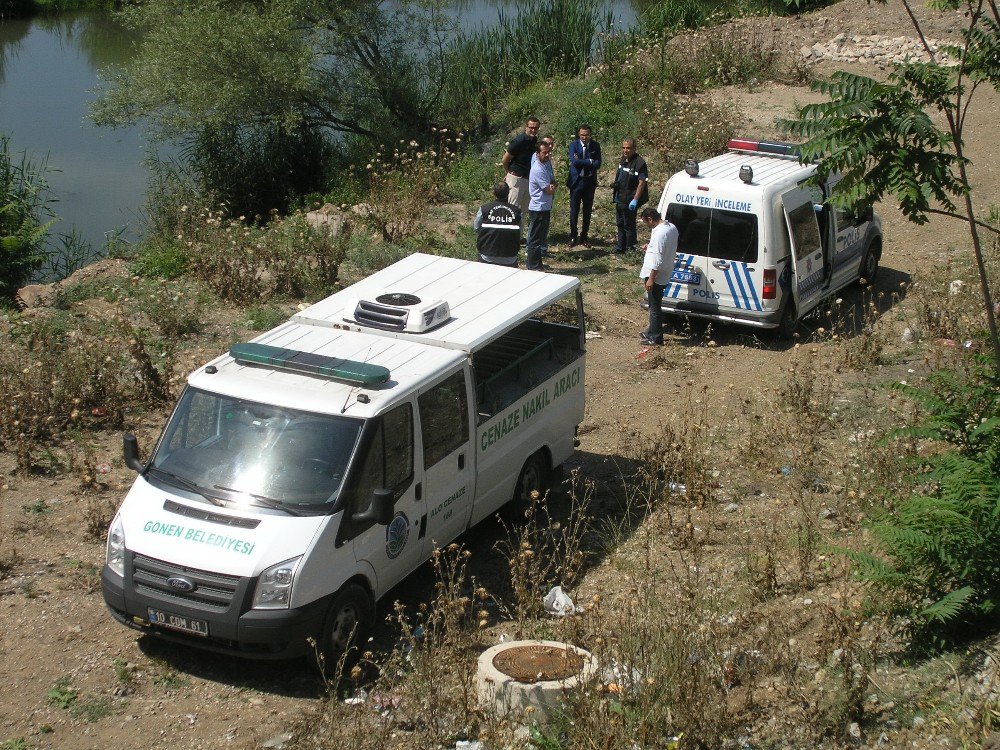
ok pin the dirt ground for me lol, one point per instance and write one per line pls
(55, 635)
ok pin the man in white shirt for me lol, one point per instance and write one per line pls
(656, 267)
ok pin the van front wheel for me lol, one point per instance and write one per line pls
(348, 623)
(869, 264)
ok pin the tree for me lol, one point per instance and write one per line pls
(356, 67)
(881, 137)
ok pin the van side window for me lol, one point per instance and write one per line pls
(389, 463)
(714, 232)
(398, 437)
(444, 418)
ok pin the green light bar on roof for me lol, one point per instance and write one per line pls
(355, 373)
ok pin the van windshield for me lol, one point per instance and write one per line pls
(715, 232)
(237, 449)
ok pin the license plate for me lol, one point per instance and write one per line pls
(686, 277)
(177, 622)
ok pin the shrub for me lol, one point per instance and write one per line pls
(23, 192)
(938, 550)
(246, 264)
(404, 183)
(259, 168)
(159, 258)
(265, 317)
(743, 52)
(682, 127)
(58, 374)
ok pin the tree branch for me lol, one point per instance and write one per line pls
(960, 217)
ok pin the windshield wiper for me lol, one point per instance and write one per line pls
(262, 500)
(187, 484)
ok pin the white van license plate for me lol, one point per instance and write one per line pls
(176, 622)
(686, 277)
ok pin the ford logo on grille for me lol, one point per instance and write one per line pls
(178, 583)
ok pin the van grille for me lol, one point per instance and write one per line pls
(381, 316)
(213, 591)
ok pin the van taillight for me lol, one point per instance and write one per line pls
(770, 283)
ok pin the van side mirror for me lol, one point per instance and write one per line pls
(130, 449)
(379, 511)
(868, 214)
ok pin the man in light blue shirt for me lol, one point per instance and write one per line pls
(541, 187)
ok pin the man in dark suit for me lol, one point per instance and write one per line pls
(584, 161)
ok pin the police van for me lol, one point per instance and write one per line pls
(759, 244)
(305, 473)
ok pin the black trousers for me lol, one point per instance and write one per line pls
(627, 235)
(582, 194)
(654, 297)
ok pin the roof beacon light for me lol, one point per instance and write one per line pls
(746, 173)
(691, 167)
(333, 368)
(763, 147)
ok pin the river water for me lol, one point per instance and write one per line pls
(48, 76)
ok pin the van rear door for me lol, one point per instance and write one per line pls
(806, 249)
(717, 253)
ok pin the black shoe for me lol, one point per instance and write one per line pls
(573, 242)
(649, 340)
(585, 241)
(618, 251)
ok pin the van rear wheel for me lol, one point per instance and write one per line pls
(533, 478)
(348, 624)
(789, 321)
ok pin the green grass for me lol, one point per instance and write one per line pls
(265, 317)
(61, 695)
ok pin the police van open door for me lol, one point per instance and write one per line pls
(806, 250)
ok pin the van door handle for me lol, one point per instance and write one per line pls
(461, 461)
(722, 265)
(418, 491)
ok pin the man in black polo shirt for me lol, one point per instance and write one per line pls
(498, 229)
(629, 194)
(517, 163)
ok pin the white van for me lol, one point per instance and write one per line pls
(758, 243)
(304, 474)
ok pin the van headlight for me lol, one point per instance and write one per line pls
(274, 587)
(116, 547)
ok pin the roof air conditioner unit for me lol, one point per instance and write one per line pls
(396, 311)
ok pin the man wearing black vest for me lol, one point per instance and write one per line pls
(498, 229)
(628, 195)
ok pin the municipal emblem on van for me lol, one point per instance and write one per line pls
(396, 534)
(180, 583)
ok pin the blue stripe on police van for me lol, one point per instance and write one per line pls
(732, 289)
(753, 291)
(678, 262)
(739, 283)
(686, 267)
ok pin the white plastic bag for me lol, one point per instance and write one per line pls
(557, 603)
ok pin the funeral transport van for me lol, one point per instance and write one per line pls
(759, 244)
(305, 473)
